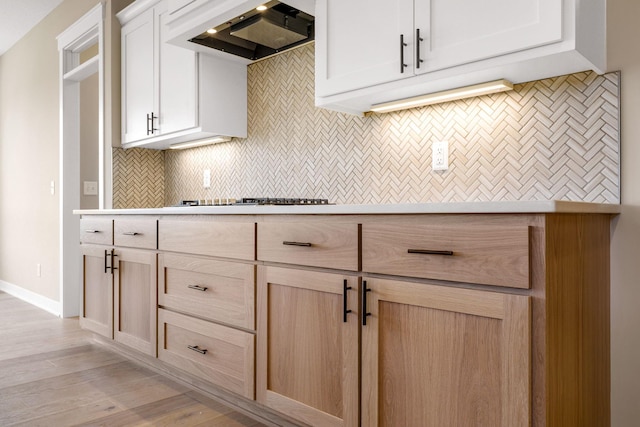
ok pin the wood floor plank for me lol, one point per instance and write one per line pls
(53, 374)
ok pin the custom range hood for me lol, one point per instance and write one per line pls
(269, 28)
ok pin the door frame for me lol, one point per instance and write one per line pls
(84, 33)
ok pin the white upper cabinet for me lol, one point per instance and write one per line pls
(171, 94)
(455, 32)
(139, 77)
(360, 44)
(369, 52)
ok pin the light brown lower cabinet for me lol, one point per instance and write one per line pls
(443, 356)
(135, 299)
(97, 291)
(119, 295)
(307, 353)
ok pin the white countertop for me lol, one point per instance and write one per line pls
(542, 206)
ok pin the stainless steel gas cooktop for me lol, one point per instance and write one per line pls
(253, 201)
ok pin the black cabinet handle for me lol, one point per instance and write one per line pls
(429, 252)
(345, 288)
(305, 244)
(150, 127)
(197, 349)
(365, 314)
(106, 266)
(402, 46)
(418, 40)
(132, 233)
(153, 128)
(92, 231)
(197, 287)
(113, 255)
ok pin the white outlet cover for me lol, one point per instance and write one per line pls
(440, 155)
(90, 188)
(206, 178)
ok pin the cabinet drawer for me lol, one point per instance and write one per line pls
(223, 239)
(487, 255)
(96, 230)
(216, 290)
(215, 353)
(318, 244)
(135, 233)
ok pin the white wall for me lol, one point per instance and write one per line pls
(624, 54)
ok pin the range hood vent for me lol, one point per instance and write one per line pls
(261, 33)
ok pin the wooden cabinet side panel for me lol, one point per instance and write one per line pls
(578, 313)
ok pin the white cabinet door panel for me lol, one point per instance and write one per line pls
(456, 32)
(178, 85)
(358, 43)
(139, 74)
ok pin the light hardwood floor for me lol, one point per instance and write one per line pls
(52, 374)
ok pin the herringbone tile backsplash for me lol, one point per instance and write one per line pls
(138, 178)
(551, 139)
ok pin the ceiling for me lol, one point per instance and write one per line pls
(17, 17)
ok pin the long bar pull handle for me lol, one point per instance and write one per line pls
(132, 233)
(365, 314)
(345, 311)
(197, 349)
(106, 267)
(92, 231)
(113, 265)
(429, 252)
(148, 120)
(153, 128)
(197, 287)
(305, 244)
(402, 46)
(418, 40)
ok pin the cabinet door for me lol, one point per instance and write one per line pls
(97, 291)
(455, 32)
(135, 307)
(178, 85)
(139, 74)
(307, 355)
(358, 43)
(442, 356)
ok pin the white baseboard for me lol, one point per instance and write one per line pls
(33, 298)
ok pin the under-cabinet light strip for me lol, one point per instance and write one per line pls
(444, 96)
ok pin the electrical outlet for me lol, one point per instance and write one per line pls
(90, 188)
(206, 178)
(440, 155)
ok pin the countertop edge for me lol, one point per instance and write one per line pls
(541, 206)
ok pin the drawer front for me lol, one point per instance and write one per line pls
(98, 231)
(316, 244)
(222, 239)
(216, 290)
(221, 355)
(133, 233)
(486, 255)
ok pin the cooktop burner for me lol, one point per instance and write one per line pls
(253, 201)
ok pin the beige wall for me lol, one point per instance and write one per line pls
(89, 149)
(623, 54)
(29, 145)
